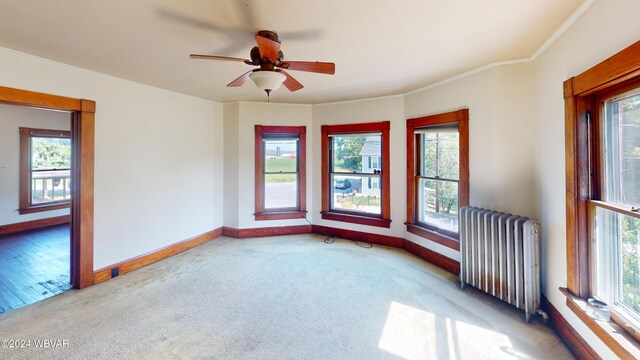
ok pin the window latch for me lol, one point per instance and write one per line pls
(635, 209)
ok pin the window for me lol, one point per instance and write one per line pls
(438, 181)
(602, 134)
(45, 170)
(374, 162)
(280, 184)
(617, 234)
(615, 190)
(355, 173)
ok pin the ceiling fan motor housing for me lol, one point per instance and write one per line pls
(269, 34)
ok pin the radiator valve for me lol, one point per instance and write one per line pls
(544, 315)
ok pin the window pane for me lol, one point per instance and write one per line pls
(49, 153)
(441, 155)
(618, 263)
(353, 153)
(622, 150)
(280, 191)
(438, 203)
(281, 155)
(355, 194)
(50, 164)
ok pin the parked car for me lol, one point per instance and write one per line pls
(342, 184)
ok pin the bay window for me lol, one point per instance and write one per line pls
(438, 175)
(602, 142)
(615, 226)
(355, 173)
(280, 171)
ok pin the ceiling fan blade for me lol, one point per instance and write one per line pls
(213, 57)
(241, 80)
(268, 48)
(310, 34)
(290, 83)
(310, 66)
(188, 20)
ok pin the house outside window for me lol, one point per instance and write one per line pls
(370, 154)
(45, 170)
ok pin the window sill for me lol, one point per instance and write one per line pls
(356, 219)
(614, 336)
(40, 208)
(280, 215)
(434, 236)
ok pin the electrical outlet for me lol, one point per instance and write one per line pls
(115, 272)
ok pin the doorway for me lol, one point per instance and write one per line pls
(35, 198)
(79, 219)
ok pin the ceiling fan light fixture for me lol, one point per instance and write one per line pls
(267, 80)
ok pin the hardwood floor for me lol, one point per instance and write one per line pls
(35, 265)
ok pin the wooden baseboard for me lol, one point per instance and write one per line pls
(397, 242)
(266, 231)
(578, 346)
(34, 224)
(154, 256)
(358, 235)
(433, 257)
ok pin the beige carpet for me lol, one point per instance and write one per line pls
(290, 297)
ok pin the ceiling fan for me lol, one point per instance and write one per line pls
(270, 59)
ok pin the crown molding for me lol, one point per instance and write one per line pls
(384, 97)
(246, 102)
(566, 25)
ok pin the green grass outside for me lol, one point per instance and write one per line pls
(280, 165)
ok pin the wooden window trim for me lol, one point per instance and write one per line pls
(461, 117)
(25, 206)
(278, 214)
(82, 172)
(382, 220)
(614, 336)
(580, 98)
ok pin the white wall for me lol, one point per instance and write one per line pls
(500, 132)
(11, 119)
(240, 144)
(606, 28)
(231, 164)
(500, 137)
(158, 156)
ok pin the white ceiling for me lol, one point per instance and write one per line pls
(380, 47)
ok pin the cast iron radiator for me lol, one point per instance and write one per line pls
(500, 255)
